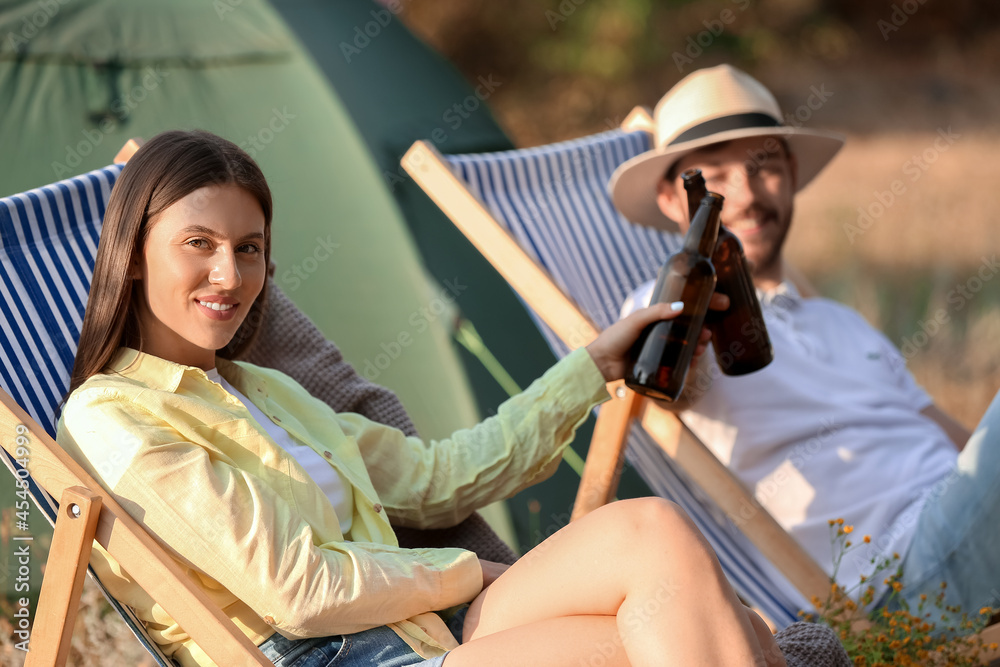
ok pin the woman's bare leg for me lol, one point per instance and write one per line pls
(571, 641)
(641, 562)
(772, 654)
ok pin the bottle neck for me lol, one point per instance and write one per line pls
(694, 185)
(703, 233)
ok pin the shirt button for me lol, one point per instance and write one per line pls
(328, 456)
(377, 507)
(277, 419)
(259, 390)
(269, 619)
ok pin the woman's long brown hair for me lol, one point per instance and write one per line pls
(166, 169)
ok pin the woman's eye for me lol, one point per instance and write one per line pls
(197, 243)
(249, 248)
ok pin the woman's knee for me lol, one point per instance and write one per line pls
(653, 520)
(644, 514)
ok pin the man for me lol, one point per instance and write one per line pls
(835, 427)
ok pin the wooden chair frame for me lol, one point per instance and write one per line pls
(88, 513)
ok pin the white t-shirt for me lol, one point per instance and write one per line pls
(333, 486)
(830, 429)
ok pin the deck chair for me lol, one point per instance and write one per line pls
(48, 243)
(544, 220)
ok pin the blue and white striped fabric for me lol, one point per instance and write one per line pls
(48, 244)
(553, 200)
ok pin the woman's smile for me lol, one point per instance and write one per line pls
(218, 307)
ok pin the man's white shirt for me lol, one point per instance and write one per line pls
(830, 429)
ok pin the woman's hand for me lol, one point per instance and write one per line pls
(610, 350)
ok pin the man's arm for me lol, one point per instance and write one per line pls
(958, 434)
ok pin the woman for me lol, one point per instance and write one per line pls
(278, 506)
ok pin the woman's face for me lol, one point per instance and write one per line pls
(201, 269)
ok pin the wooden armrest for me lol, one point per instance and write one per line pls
(128, 150)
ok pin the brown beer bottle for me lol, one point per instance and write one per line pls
(739, 335)
(662, 354)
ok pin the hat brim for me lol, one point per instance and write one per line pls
(633, 184)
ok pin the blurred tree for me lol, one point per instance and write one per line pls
(581, 64)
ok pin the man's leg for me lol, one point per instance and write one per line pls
(958, 532)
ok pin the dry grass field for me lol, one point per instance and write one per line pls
(100, 638)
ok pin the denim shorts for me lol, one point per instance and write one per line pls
(378, 647)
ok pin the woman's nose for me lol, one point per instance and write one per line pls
(225, 273)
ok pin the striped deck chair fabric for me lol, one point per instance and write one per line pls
(553, 200)
(48, 244)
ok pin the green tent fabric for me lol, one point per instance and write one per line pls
(397, 91)
(79, 78)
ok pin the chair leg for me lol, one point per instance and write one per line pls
(607, 451)
(59, 599)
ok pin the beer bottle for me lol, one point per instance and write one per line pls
(739, 335)
(662, 354)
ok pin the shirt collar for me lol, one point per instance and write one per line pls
(156, 372)
(152, 370)
(785, 295)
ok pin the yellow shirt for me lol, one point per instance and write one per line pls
(189, 463)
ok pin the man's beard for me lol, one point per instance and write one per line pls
(772, 256)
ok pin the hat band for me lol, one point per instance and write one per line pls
(737, 121)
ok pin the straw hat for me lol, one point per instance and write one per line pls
(710, 106)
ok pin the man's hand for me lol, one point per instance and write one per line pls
(610, 350)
